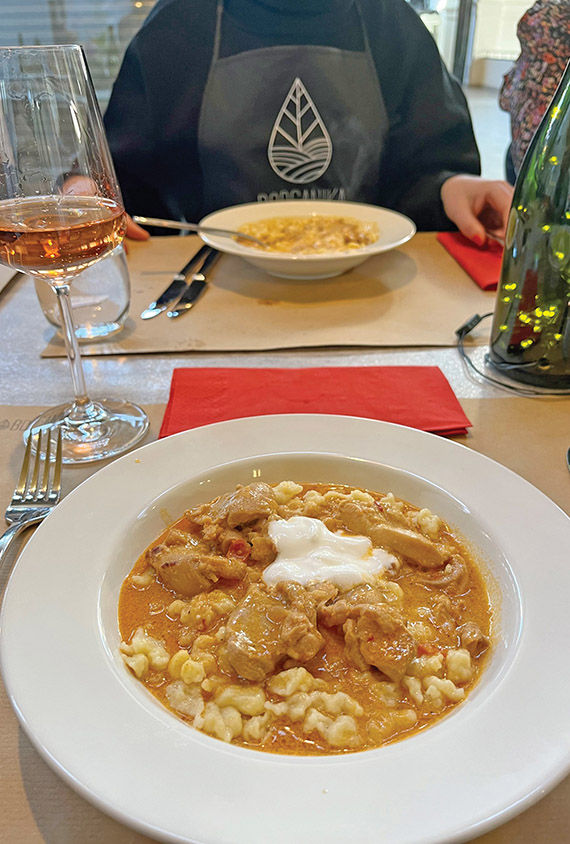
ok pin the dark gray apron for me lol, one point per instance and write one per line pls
(291, 122)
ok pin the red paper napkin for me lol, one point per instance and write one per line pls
(417, 396)
(482, 263)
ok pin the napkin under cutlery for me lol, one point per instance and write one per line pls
(417, 396)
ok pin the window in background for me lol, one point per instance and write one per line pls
(102, 27)
(495, 45)
(476, 38)
(440, 18)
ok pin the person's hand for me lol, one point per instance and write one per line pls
(477, 206)
(134, 231)
(83, 186)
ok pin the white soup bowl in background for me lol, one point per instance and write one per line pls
(394, 229)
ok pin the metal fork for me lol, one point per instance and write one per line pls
(38, 489)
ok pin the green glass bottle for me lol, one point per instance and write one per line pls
(530, 337)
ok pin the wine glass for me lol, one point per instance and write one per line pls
(61, 211)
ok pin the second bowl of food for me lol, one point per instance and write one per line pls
(309, 239)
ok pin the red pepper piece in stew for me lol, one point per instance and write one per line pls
(239, 548)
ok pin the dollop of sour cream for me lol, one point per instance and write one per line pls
(308, 551)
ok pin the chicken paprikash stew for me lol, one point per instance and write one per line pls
(306, 618)
(310, 235)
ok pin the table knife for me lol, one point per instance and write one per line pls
(195, 288)
(174, 291)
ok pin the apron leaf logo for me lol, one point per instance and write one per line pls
(300, 148)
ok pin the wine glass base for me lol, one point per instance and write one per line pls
(93, 333)
(112, 428)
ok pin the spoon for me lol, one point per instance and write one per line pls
(193, 227)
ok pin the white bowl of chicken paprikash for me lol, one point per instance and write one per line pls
(308, 239)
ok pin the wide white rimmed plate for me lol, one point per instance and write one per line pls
(100, 730)
(394, 229)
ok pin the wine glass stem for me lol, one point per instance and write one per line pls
(82, 409)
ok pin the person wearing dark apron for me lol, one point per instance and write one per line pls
(285, 99)
(291, 122)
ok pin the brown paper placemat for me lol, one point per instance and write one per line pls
(416, 295)
(36, 806)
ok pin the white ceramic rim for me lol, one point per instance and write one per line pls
(139, 764)
(229, 218)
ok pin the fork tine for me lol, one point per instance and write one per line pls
(56, 485)
(33, 485)
(21, 485)
(45, 478)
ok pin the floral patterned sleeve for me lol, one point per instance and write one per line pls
(544, 35)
